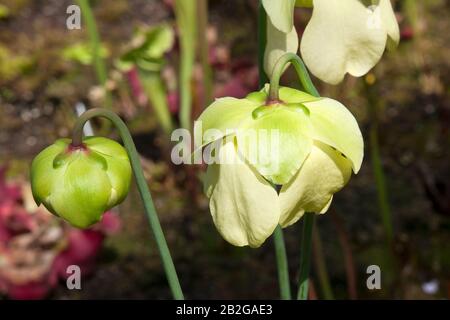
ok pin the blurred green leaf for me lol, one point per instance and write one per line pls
(82, 53)
(148, 48)
(12, 64)
(4, 11)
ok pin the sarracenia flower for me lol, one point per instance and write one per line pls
(343, 36)
(80, 183)
(254, 185)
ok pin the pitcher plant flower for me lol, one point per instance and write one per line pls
(342, 36)
(80, 183)
(319, 144)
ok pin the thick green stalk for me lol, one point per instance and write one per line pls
(282, 264)
(321, 266)
(305, 255)
(280, 248)
(308, 223)
(77, 136)
(185, 13)
(262, 39)
(99, 63)
(202, 7)
(377, 167)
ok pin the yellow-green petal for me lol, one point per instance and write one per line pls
(243, 205)
(41, 181)
(280, 13)
(278, 43)
(324, 173)
(118, 164)
(341, 37)
(76, 198)
(334, 125)
(277, 142)
(226, 115)
(390, 24)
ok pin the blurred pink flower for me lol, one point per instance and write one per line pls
(36, 248)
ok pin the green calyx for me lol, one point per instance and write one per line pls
(276, 137)
(80, 183)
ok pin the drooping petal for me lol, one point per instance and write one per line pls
(280, 13)
(324, 172)
(224, 115)
(390, 23)
(243, 205)
(341, 37)
(334, 125)
(278, 43)
(277, 142)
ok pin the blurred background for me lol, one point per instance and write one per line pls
(148, 60)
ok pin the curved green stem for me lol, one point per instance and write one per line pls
(305, 255)
(280, 248)
(282, 264)
(302, 73)
(77, 136)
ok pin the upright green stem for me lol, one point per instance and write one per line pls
(305, 255)
(380, 181)
(185, 13)
(321, 266)
(308, 221)
(77, 136)
(202, 8)
(99, 63)
(282, 264)
(262, 40)
(280, 248)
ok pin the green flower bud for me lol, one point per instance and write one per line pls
(79, 184)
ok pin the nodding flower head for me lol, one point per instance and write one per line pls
(290, 157)
(80, 183)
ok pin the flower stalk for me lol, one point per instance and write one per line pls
(302, 73)
(278, 238)
(149, 207)
(305, 255)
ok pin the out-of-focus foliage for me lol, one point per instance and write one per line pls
(12, 65)
(82, 53)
